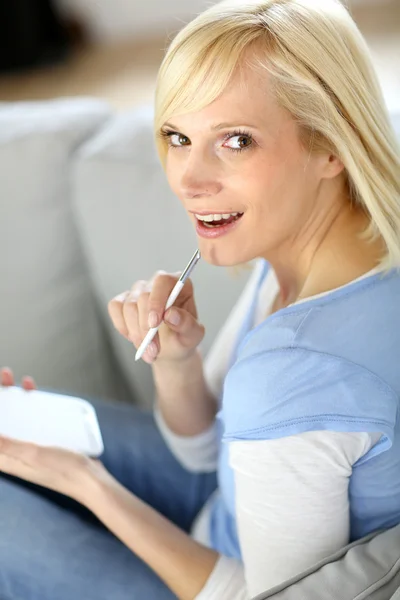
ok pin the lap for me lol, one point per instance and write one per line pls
(57, 549)
(48, 553)
(136, 454)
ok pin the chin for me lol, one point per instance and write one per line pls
(223, 257)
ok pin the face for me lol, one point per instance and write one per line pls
(243, 154)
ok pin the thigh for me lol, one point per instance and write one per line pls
(137, 456)
(49, 553)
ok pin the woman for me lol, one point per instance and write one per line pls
(269, 114)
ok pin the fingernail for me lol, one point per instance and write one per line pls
(153, 319)
(173, 317)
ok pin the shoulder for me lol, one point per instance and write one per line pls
(342, 322)
(326, 364)
(284, 391)
(291, 384)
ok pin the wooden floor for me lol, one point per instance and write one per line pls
(124, 74)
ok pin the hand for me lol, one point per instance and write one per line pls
(59, 470)
(130, 312)
(7, 379)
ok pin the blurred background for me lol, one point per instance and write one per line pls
(85, 209)
(112, 49)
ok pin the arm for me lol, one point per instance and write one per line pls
(292, 510)
(292, 502)
(184, 409)
(183, 564)
(183, 398)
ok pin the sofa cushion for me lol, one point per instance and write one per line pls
(368, 569)
(49, 324)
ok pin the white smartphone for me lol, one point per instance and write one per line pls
(50, 419)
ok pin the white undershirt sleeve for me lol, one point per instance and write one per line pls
(292, 508)
(196, 453)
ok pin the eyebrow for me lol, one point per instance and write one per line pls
(215, 127)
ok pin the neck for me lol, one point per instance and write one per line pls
(336, 256)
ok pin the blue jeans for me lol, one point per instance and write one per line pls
(52, 548)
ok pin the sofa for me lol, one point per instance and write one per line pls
(85, 210)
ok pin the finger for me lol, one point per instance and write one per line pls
(149, 357)
(115, 311)
(152, 349)
(137, 318)
(130, 315)
(190, 331)
(6, 377)
(130, 311)
(28, 383)
(162, 287)
(143, 313)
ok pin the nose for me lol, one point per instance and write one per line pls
(199, 178)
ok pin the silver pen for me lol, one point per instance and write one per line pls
(171, 299)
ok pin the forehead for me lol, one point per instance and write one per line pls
(247, 97)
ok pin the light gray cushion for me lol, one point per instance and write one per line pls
(367, 569)
(48, 318)
(132, 225)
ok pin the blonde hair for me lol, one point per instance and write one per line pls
(321, 72)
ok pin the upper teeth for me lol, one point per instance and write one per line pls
(216, 217)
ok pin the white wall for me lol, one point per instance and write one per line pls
(108, 20)
(111, 19)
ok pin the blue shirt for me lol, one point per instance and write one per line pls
(328, 363)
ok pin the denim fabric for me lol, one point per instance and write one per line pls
(52, 548)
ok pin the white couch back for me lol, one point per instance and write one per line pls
(81, 189)
(48, 320)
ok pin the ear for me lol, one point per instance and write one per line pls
(331, 166)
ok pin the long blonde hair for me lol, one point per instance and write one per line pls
(321, 72)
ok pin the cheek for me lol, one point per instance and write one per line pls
(270, 180)
(278, 184)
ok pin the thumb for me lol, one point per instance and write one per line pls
(190, 331)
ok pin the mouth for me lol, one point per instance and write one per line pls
(217, 225)
(219, 222)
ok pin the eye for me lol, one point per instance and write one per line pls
(244, 141)
(178, 140)
(174, 139)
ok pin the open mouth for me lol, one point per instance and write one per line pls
(220, 221)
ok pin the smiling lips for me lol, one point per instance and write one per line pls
(212, 226)
(217, 219)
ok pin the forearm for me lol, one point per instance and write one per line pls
(183, 564)
(186, 404)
